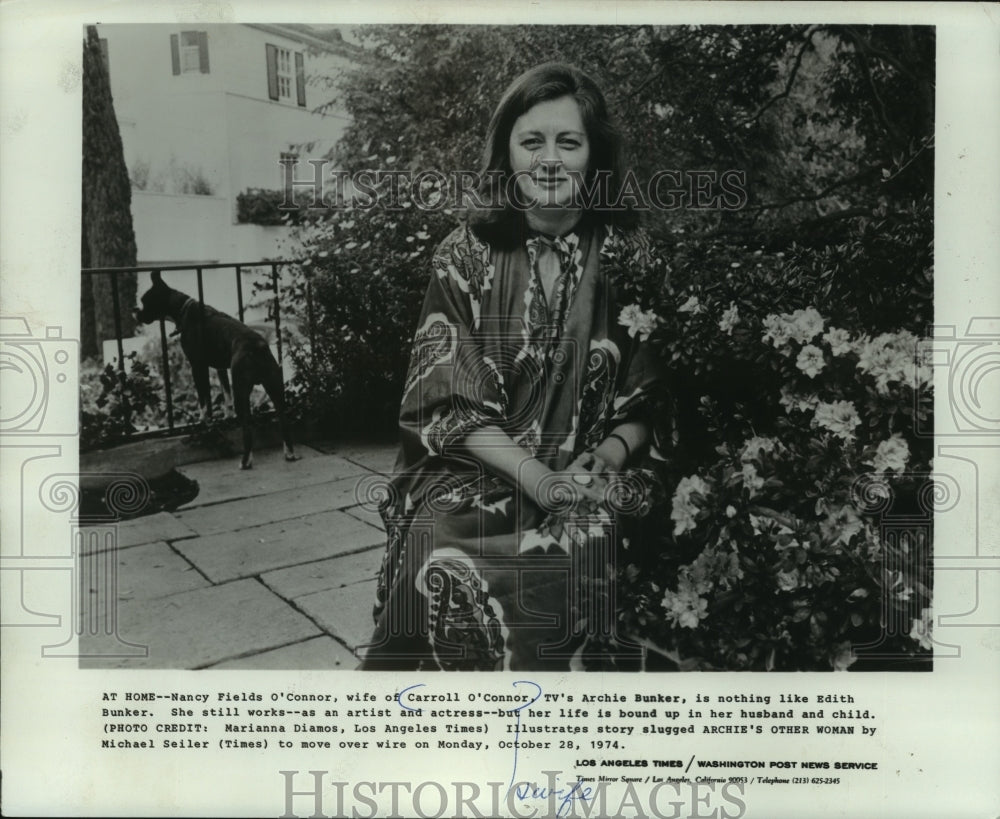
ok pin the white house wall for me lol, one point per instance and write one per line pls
(219, 125)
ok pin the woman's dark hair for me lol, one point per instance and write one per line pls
(496, 221)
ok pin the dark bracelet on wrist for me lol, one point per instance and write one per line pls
(624, 443)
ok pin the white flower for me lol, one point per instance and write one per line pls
(645, 325)
(790, 401)
(640, 323)
(801, 326)
(776, 330)
(751, 480)
(684, 607)
(839, 341)
(893, 454)
(810, 360)
(788, 581)
(684, 508)
(841, 525)
(839, 417)
(921, 630)
(692, 305)
(629, 315)
(754, 446)
(895, 358)
(730, 318)
(806, 324)
(730, 511)
(844, 658)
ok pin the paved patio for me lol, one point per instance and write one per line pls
(272, 568)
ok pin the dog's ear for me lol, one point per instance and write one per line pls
(155, 276)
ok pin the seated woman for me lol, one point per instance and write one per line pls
(526, 397)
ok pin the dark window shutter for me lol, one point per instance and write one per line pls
(300, 78)
(104, 55)
(175, 53)
(203, 51)
(272, 71)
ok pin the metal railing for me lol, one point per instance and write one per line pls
(199, 269)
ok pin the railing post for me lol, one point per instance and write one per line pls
(312, 322)
(277, 308)
(201, 288)
(239, 289)
(166, 375)
(116, 304)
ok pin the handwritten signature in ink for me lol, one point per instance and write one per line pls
(524, 790)
(576, 790)
(528, 790)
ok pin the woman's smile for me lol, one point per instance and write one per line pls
(549, 150)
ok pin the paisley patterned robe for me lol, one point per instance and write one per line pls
(476, 575)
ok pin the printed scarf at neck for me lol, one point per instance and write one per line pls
(567, 250)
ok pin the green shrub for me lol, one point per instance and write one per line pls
(260, 206)
(367, 271)
(115, 405)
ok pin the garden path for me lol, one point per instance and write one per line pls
(272, 568)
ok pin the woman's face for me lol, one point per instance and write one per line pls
(547, 143)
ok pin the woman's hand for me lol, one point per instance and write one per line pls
(594, 463)
(548, 489)
(560, 491)
(622, 442)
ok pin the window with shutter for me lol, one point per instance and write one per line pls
(300, 79)
(282, 76)
(284, 73)
(189, 52)
(272, 71)
(203, 51)
(175, 53)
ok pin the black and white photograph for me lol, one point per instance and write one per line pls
(622, 341)
(645, 314)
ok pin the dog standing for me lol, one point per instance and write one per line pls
(210, 338)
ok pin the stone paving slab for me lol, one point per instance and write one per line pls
(379, 458)
(276, 506)
(315, 654)
(161, 526)
(145, 573)
(223, 480)
(345, 613)
(369, 516)
(204, 627)
(230, 555)
(324, 575)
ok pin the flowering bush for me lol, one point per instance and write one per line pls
(366, 272)
(786, 550)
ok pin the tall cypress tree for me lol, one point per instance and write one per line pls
(108, 239)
